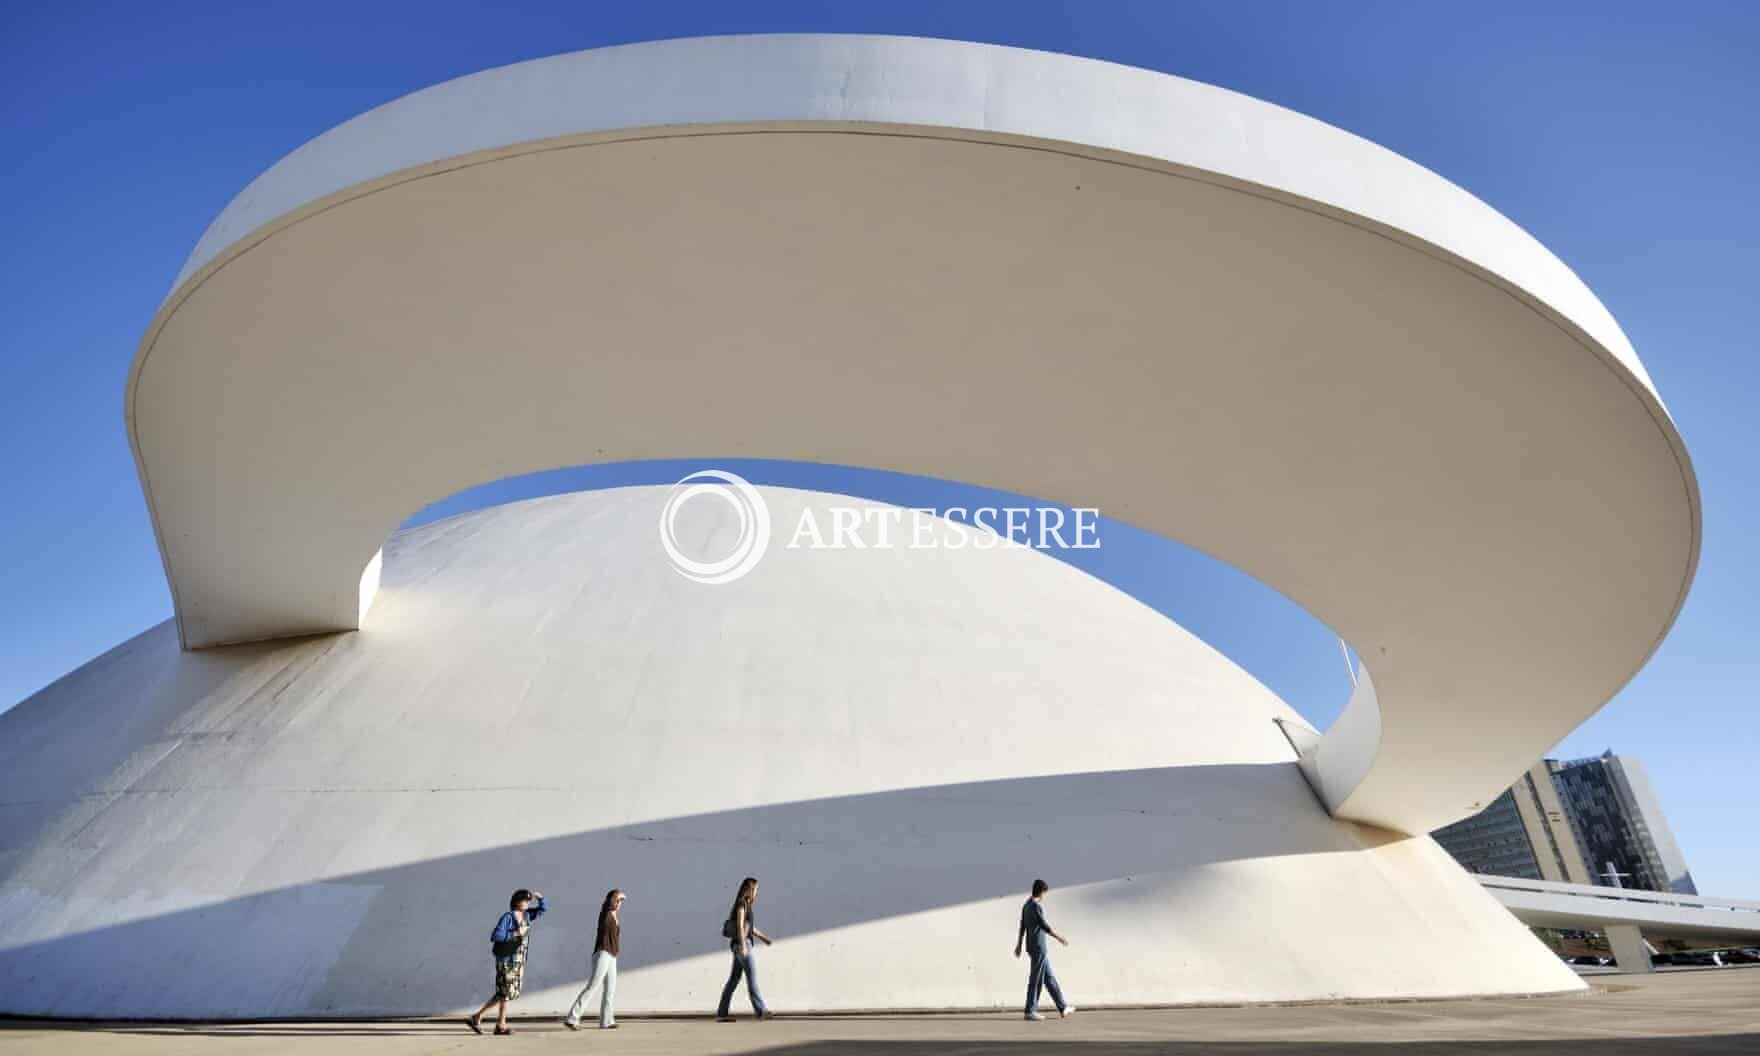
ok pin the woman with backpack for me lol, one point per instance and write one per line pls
(742, 929)
(508, 943)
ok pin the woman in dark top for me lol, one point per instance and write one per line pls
(508, 943)
(605, 948)
(742, 929)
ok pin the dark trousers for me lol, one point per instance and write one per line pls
(1039, 974)
(745, 964)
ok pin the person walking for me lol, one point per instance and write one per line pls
(508, 943)
(742, 928)
(1039, 974)
(604, 966)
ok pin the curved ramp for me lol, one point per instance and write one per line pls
(1207, 316)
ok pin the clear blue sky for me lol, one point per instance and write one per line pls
(1624, 136)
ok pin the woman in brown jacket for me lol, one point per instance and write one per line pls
(605, 948)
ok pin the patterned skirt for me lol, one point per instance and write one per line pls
(510, 973)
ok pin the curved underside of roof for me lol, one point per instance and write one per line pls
(1208, 316)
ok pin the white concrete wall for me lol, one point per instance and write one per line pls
(895, 742)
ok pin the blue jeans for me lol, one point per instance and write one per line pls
(744, 964)
(1039, 974)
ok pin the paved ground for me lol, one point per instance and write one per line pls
(1709, 1011)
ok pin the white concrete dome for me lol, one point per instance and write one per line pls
(896, 742)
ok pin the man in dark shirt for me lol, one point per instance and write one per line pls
(1039, 975)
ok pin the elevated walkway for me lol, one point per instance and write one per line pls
(1625, 915)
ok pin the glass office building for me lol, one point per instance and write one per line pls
(1595, 820)
(1525, 832)
(1618, 820)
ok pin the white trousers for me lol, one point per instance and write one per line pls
(605, 977)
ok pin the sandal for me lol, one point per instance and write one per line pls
(474, 1023)
(503, 1030)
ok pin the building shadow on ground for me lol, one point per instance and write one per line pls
(1716, 1045)
(971, 841)
(1049, 1041)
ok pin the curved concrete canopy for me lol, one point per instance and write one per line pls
(1208, 316)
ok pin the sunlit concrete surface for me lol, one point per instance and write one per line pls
(1206, 315)
(1707, 1013)
(896, 742)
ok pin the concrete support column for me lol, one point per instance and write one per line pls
(1630, 952)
